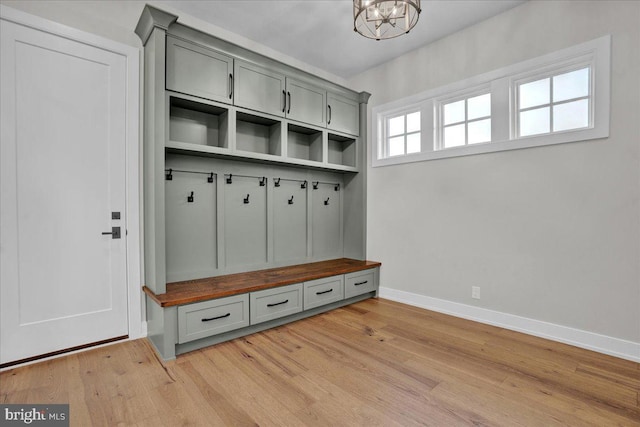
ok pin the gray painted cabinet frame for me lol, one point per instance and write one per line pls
(196, 228)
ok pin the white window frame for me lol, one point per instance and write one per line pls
(550, 72)
(405, 134)
(439, 108)
(502, 84)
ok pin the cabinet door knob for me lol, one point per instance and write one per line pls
(329, 120)
(230, 86)
(289, 96)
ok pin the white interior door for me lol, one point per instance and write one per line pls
(62, 158)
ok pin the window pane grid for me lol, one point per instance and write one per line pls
(569, 112)
(457, 133)
(403, 134)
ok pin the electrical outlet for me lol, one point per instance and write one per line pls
(475, 292)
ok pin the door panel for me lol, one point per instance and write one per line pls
(344, 114)
(62, 175)
(258, 88)
(197, 71)
(306, 103)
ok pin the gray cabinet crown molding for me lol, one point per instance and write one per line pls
(150, 18)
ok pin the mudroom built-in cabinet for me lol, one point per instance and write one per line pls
(254, 190)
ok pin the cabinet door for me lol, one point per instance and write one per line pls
(259, 89)
(305, 103)
(198, 71)
(343, 114)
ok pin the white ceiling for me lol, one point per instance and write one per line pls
(320, 33)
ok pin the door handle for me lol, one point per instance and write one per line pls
(329, 108)
(289, 96)
(115, 232)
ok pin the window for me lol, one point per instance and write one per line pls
(555, 103)
(403, 134)
(557, 98)
(466, 121)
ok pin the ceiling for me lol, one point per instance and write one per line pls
(320, 33)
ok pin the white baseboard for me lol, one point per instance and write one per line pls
(591, 341)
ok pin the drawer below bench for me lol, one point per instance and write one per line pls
(212, 317)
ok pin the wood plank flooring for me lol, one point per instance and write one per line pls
(376, 362)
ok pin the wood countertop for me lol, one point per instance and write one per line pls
(190, 291)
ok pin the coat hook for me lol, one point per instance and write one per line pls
(303, 185)
(291, 200)
(326, 202)
(315, 185)
(190, 198)
(210, 177)
(276, 182)
(337, 187)
(229, 180)
(263, 181)
(169, 176)
(246, 200)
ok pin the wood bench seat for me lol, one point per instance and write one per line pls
(190, 291)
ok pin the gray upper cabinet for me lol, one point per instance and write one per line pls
(306, 103)
(343, 115)
(199, 71)
(259, 89)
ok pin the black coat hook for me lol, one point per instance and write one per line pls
(303, 185)
(169, 176)
(326, 202)
(190, 198)
(276, 182)
(246, 200)
(263, 181)
(210, 177)
(315, 185)
(337, 187)
(229, 179)
(291, 200)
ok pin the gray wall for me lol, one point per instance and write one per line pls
(549, 233)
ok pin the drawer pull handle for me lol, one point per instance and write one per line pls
(324, 292)
(217, 317)
(278, 303)
(360, 283)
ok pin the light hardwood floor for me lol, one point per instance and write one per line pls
(373, 363)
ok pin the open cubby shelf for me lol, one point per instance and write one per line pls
(198, 123)
(341, 150)
(304, 143)
(257, 134)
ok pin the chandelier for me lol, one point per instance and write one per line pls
(385, 19)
